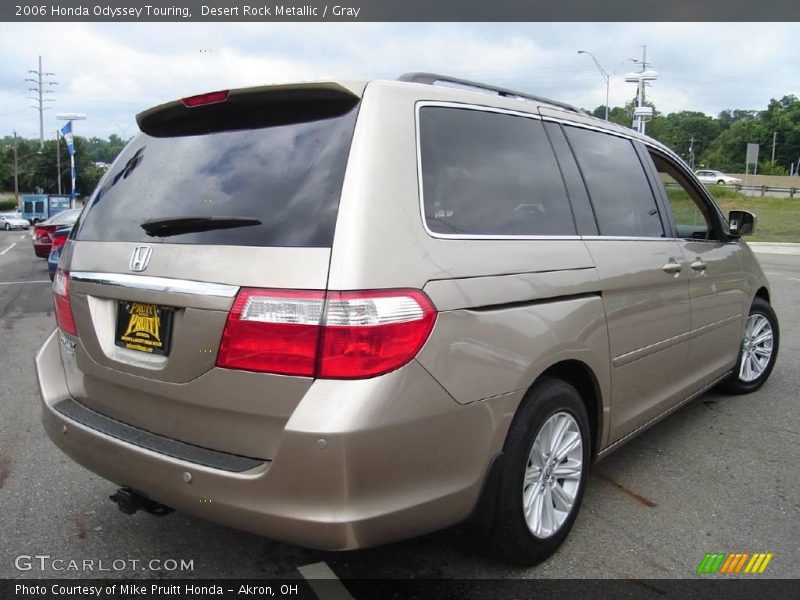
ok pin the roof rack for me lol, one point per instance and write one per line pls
(434, 79)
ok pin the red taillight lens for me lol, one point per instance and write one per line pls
(371, 333)
(203, 99)
(43, 233)
(59, 239)
(63, 308)
(338, 335)
(274, 331)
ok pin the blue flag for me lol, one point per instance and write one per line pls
(66, 131)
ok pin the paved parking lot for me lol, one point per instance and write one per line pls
(721, 474)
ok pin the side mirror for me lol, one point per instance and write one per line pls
(741, 222)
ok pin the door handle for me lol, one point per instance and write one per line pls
(672, 267)
(699, 265)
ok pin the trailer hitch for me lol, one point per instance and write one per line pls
(130, 502)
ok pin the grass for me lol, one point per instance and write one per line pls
(778, 219)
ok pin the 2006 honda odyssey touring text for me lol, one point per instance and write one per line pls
(350, 313)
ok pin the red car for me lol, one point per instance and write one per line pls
(43, 232)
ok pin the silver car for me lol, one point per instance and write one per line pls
(716, 177)
(10, 221)
(347, 313)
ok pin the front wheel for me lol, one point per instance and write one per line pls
(8, 226)
(547, 454)
(720, 182)
(758, 351)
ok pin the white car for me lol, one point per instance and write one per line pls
(716, 177)
(10, 221)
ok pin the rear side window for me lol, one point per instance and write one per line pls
(621, 196)
(276, 185)
(486, 173)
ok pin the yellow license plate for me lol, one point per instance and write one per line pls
(144, 327)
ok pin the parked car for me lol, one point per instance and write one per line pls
(716, 177)
(59, 239)
(352, 313)
(43, 232)
(10, 221)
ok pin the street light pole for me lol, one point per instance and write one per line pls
(605, 75)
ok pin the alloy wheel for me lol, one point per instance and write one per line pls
(756, 348)
(552, 475)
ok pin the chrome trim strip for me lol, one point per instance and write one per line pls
(156, 284)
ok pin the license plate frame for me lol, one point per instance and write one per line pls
(144, 327)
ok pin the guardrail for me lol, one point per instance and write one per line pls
(762, 190)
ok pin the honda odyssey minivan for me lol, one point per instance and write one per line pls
(347, 313)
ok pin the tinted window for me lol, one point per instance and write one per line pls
(620, 193)
(289, 177)
(691, 214)
(67, 217)
(487, 173)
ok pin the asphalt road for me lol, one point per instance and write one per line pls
(721, 474)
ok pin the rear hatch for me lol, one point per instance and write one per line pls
(220, 192)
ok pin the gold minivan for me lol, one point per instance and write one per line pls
(342, 314)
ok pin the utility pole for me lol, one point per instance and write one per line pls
(641, 87)
(58, 159)
(641, 112)
(774, 139)
(16, 170)
(40, 82)
(691, 152)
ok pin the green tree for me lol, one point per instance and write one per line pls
(727, 151)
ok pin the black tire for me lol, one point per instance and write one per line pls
(734, 384)
(510, 538)
(8, 227)
(720, 182)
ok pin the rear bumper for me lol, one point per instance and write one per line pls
(360, 463)
(42, 250)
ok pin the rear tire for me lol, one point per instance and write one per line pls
(758, 351)
(536, 508)
(8, 227)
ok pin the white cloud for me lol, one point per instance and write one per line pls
(112, 71)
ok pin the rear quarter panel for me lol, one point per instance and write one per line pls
(509, 309)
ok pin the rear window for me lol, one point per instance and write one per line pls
(68, 217)
(487, 173)
(276, 185)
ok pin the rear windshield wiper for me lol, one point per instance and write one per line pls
(178, 225)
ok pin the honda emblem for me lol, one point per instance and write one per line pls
(140, 258)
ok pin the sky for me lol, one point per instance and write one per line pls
(111, 71)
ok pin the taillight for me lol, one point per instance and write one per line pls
(274, 331)
(59, 239)
(338, 335)
(42, 233)
(61, 302)
(203, 99)
(371, 333)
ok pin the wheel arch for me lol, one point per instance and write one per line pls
(763, 293)
(580, 375)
